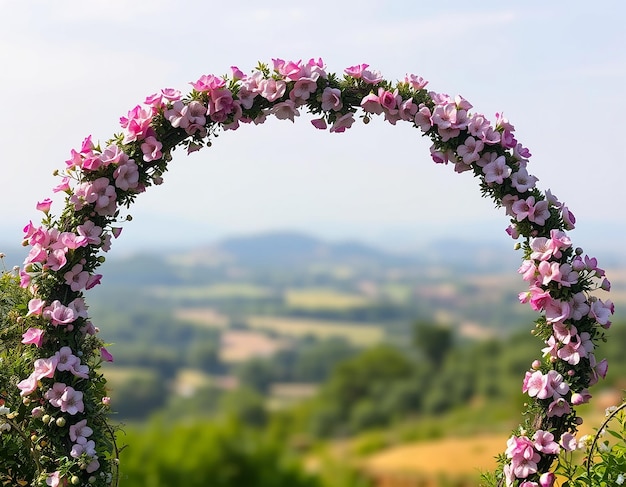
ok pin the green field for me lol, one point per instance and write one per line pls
(355, 333)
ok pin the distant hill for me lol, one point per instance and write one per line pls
(293, 248)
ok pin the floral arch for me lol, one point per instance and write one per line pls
(65, 389)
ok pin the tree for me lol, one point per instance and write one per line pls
(433, 341)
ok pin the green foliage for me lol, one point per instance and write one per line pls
(604, 462)
(225, 454)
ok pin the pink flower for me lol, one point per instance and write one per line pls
(319, 123)
(71, 401)
(207, 83)
(93, 281)
(496, 171)
(423, 119)
(66, 359)
(581, 397)
(35, 307)
(272, 89)
(76, 278)
(544, 442)
(356, 71)
(126, 175)
(416, 82)
(221, 104)
(59, 314)
(106, 356)
(28, 385)
(45, 367)
(547, 479)
(342, 123)
(285, 110)
(371, 104)
(568, 442)
(91, 232)
(371, 76)
(302, 90)
(33, 336)
(55, 393)
(151, 149)
(601, 312)
(64, 185)
(80, 430)
(522, 181)
(54, 479)
(44, 205)
(331, 99)
(470, 150)
(136, 123)
(559, 407)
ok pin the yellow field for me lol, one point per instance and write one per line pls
(208, 317)
(356, 333)
(450, 456)
(323, 299)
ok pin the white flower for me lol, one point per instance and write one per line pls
(4, 410)
(620, 479)
(5, 427)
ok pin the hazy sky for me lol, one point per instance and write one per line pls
(71, 68)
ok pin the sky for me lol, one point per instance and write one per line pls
(71, 68)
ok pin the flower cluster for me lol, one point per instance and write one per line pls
(99, 182)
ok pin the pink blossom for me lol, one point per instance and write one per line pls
(302, 90)
(136, 123)
(190, 117)
(557, 311)
(79, 307)
(80, 430)
(45, 367)
(371, 104)
(91, 232)
(522, 181)
(207, 83)
(548, 272)
(581, 397)
(285, 110)
(331, 99)
(28, 385)
(568, 442)
(319, 123)
(106, 356)
(601, 312)
(126, 175)
(559, 407)
(54, 479)
(55, 393)
(66, 359)
(356, 71)
(538, 298)
(423, 119)
(221, 104)
(33, 336)
(547, 479)
(544, 442)
(407, 110)
(470, 150)
(35, 307)
(64, 185)
(44, 205)
(535, 212)
(523, 456)
(151, 149)
(93, 281)
(59, 314)
(342, 123)
(71, 401)
(272, 89)
(371, 76)
(76, 278)
(416, 82)
(496, 171)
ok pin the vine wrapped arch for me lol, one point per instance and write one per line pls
(98, 183)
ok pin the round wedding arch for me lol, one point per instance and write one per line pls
(65, 385)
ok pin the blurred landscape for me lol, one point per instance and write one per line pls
(284, 359)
